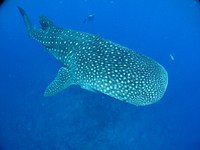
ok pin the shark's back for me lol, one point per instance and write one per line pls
(95, 63)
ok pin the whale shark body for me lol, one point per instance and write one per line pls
(97, 64)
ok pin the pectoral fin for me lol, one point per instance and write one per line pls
(62, 81)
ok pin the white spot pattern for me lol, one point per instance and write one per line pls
(105, 66)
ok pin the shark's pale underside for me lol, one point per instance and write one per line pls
(98, 64)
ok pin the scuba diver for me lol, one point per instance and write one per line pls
(89, 17)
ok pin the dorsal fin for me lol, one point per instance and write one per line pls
(46, 23)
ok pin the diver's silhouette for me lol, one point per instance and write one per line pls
(88, 18)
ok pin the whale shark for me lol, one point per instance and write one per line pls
(98, 64)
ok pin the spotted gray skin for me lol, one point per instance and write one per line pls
(98, 64)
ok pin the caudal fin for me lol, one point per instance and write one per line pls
(25, 18)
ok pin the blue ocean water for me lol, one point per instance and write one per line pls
(76, 119)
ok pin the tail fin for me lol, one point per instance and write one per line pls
(26, 19)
